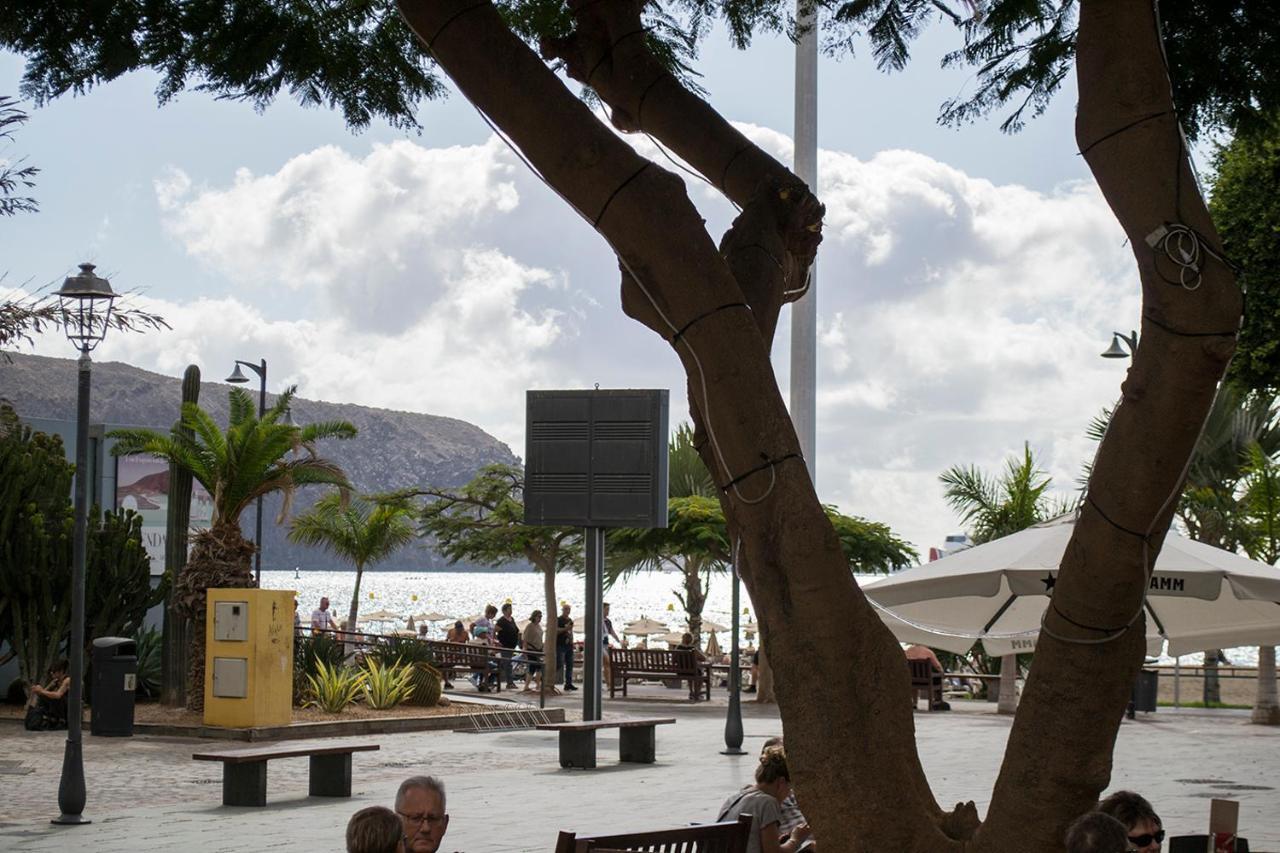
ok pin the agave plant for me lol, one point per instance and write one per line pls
(254, 456)
(386, 686)
(333, 688)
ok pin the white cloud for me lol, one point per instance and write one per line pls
(958, 317)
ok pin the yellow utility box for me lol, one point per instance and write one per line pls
(248, 671)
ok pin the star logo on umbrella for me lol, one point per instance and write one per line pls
(1049, 581)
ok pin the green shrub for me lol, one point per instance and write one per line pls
(333, 688)
(148, 642)
(395, 651)
(386, 686)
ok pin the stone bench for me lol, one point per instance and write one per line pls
(637, 739)
(244, 771)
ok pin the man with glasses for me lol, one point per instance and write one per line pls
(420, 805)
(1096, 832)
(1140, 820)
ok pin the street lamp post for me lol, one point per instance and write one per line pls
(733, 721)
(237, 377)
(86, 301)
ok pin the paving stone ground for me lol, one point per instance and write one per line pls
(506, 792)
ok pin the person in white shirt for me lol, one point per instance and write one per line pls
(321, 618)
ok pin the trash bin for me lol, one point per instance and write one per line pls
(115, 677)
(1145, 690)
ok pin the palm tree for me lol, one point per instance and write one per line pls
(1210, 507)
(358, 530)
(996, 507)
(1261, 501)
(251, 458)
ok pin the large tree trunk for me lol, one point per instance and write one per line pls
(856, 768)
(765, 694)
(1129, 135)
(1212, 687)
(1008, 698)
(1266, 707)
(220, 559)
(548, 682)
(694, 597)
(173, 657)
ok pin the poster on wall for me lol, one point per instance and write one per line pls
(142, 485)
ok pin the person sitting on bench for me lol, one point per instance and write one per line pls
(763, 801)
(919, 652)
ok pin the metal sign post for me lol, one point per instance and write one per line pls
(594, 648)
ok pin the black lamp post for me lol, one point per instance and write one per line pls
(237, 377)
(86, 301)
(733, 721)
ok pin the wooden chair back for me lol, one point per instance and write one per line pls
(726, 837)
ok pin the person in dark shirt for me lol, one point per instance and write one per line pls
(47, 707)
(564, 645)
(509, 638)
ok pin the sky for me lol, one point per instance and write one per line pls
(967, 280)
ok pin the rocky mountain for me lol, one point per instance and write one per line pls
(393, 450)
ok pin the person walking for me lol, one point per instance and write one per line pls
(605, 633)
(564, 644)
(534, 653)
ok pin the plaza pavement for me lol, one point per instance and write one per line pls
(506, 791)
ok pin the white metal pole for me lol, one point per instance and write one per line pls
(804, 311)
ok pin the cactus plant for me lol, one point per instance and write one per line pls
(177, 525)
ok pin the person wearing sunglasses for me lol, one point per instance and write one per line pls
(1096, 832)
(420, 805)
(1146, 833)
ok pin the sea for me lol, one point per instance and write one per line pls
(464, 595)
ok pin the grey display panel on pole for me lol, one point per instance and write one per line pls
(804, 311)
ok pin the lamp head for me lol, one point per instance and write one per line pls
(1116, 350)
(86, 300)
(236, 376)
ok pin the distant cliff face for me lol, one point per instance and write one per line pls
(393, 450)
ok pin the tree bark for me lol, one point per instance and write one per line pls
(676, 282)
(765, 694)
(1266, 707)
(354, 611)
(1212, 686)
(1129, 135)
(1008, 698)
(694, 597)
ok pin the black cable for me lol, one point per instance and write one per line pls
(1144, 537)
(768, 463)
(431, 41)
(1130, 126)
(1171, 330)
(609, 52)
(596, 222)
(704, 315)
(724, 175)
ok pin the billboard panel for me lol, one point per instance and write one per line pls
(142, 485)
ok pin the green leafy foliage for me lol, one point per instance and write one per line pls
(148, 642)
(37, 521)
(394, 651)
(357, 530)
(333, 688)
(308, 652)
(998, 506)
(483, 522)
(14, 176)
(1261, 503)
(386, 686)
(252, 457)
(1220, 53)
(1246, 211)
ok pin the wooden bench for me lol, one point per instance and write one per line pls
(626, 664)
(637, 739)
(466, 658)
(927, 680)
(244, 771)
(726, 837)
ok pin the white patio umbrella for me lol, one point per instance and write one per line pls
(713, 627)
(433, 616)
(380, 616)
(644, 626)
(1200, 597)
